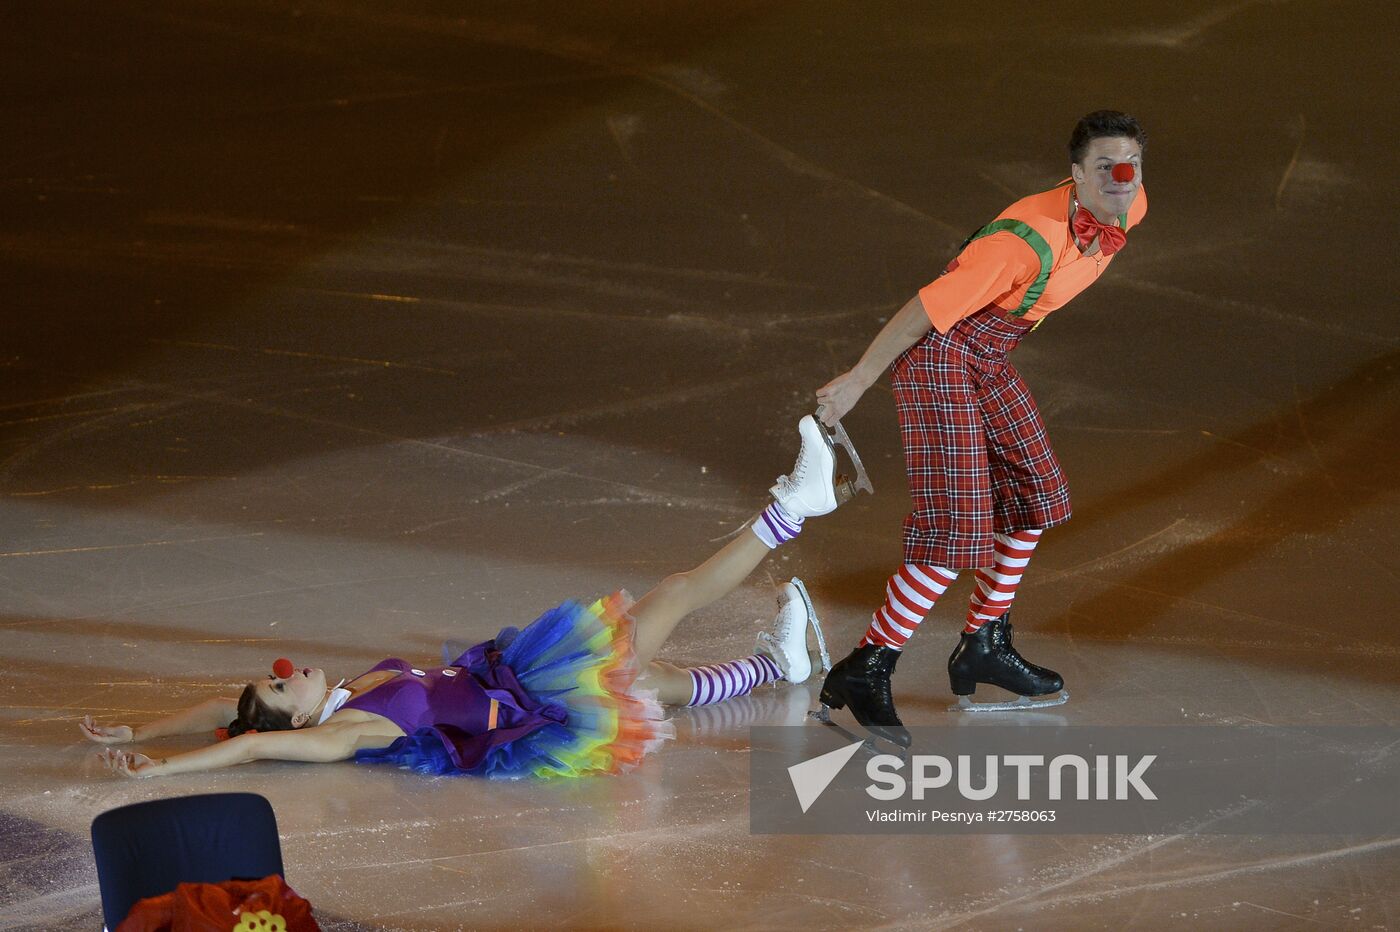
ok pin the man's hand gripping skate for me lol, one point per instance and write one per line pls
(835, 400)
(838, 397)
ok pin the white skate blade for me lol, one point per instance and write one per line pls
(815, 622)
(837, 436)
(1019, 704)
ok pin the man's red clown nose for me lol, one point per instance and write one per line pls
(1123, 172)
(282, 668)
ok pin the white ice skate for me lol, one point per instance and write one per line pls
(787, 642)
(810, 489)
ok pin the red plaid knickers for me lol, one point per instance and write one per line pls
(975, 447)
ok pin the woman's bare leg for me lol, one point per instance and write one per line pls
(807, 492)
(672, 684)
(676, 596)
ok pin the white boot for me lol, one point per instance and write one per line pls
(787, 642)
(810, 489)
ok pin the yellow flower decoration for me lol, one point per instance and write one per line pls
(261, 921)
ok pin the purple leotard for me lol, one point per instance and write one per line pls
(472, 706)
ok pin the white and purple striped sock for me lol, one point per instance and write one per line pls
(722, 681)
(775, 526)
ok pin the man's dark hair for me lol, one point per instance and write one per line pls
(1103, 123)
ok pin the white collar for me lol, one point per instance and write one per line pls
(334, 701)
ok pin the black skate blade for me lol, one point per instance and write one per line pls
(874, 744)
(1019, 704)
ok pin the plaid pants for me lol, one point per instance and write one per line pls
(975, 447)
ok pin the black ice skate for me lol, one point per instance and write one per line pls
(862, 681)
(988, 656)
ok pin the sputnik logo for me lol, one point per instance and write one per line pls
(811, 777)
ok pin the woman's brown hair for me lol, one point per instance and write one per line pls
(254, 715)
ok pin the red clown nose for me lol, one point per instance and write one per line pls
(1123, 172)
(282, 668)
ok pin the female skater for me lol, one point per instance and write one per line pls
(575, 692)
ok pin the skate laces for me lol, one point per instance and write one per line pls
(777, 639)
(783, 630)
(799, 469)
(776, 651)
(794, 479)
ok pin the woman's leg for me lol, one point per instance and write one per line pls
(806, 492)
(676, 596)
(672, 684)
(780, 654)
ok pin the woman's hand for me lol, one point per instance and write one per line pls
(836, 398)
(129, 763)
(105, 734)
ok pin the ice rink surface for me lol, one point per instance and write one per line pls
(335, 330)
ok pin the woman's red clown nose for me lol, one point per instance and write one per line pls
(1123, 172)
(282, 668)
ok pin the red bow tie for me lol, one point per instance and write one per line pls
(1086, 226)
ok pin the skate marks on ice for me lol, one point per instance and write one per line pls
(116, 420)
(453, 449)
(1344, 438)
(442, 264)
(1052, 895)
(1180, 533)
(155, 400)
(1265, 312)
(1183, 35)
(663, 75)
(562, 833)
(652, 401)
(433, 266)
(46, 876)
(135, 545)
(463, 260)
(1300, 129)
(307, 355)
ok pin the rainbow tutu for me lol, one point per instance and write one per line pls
(577, 665)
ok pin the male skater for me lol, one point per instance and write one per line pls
(984, 479)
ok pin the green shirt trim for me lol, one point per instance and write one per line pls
(1036, 242)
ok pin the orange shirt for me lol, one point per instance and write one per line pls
(997, 269)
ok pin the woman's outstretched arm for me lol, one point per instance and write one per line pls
(321, 744)
(200, 719)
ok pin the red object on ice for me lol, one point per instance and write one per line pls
(282, 668)
(1123, 171)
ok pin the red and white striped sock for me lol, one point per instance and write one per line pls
(721, 681)
(909, 595)
(996, 587)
